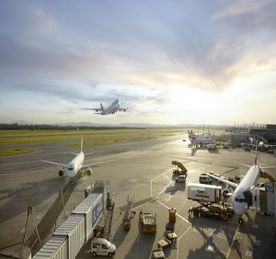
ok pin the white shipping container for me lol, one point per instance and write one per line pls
(55, 248)
(74, 229)
(68, 239)
(86, 208)
(204, 192)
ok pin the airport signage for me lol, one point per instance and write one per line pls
(97, 211)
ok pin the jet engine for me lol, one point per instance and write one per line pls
(88, 171)
(60, 172)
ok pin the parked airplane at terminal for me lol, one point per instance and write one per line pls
(113, 108)
(76, 165)
(242, 194)
(202, 140)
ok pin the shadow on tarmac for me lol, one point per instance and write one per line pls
(209, 248)
(176, 187)
(141, 247)
(119, 236)
(261, 230)
(29, 194)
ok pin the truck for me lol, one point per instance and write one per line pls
(214, 210)
(148, 222)
(204, 192)
(180, 170)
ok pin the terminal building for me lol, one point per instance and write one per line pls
(268, 132)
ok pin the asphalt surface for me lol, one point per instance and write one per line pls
(143, 170)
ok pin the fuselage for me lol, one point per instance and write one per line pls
(249, 181)
(112, 108)
(75, 165)
(201, 139)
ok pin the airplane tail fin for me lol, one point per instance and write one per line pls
(256, 153)
(102, 107)
(81, 144)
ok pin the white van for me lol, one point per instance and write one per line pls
(101, 246)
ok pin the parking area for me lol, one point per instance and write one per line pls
(196, 237)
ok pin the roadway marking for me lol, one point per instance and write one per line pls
(178, 240)
(232, 243)
(177, 214)
(155, 197)
(151, 195)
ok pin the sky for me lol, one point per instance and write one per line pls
(169, 61)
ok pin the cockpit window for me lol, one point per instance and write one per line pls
(70, 168)
(240, 200)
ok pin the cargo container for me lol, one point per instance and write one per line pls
(68, 239)
(74, 230)
(86, 208)
(55, 248)
(204, 192)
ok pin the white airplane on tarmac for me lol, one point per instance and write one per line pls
(242, 194)
(202, 140)
(73, 167)
(111, 109)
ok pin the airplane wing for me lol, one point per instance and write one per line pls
(54, 163)
(219, 179)
(96, 164)
(94, 109)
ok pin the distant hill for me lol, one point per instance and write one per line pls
(71, 125)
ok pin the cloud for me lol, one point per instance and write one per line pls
(152, 49)
(98, 51)
(240, 7)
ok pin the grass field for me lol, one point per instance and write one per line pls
(15, 151)
(91, 137)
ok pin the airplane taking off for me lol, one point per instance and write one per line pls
(242, 194)
(73, 167)
(111, 109)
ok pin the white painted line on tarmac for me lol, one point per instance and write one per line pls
(232, 243)
(168, 177)
(151, 182)
(177, 214)
(178, 240)
(158, 176)
(163, 190)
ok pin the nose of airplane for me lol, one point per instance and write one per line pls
(239, 207)
(70, 173)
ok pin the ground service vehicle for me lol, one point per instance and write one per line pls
(205, 179)
(181, 179)
(204, 192)
(211, 146)
(148, 221)
(101, 246)
(180, 170)
(213, 210)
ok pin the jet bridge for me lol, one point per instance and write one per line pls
(264, 199)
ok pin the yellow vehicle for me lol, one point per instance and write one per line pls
(213, 210)
(180, 170)
(148, 222)
(172, 215)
